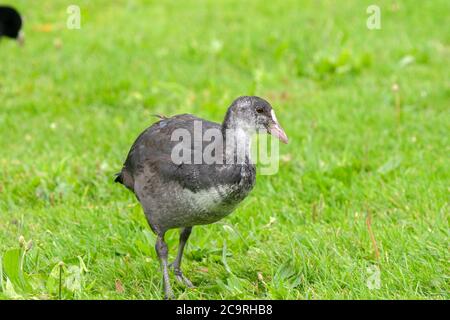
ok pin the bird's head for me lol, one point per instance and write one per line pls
(254, 114)
(11, 24)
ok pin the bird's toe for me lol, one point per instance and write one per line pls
(168, 295)
(184, 280)
(181, 278)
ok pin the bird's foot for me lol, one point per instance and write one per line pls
(168, 295)
(168, 292)
(181, 278)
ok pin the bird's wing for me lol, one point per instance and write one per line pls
(152, 152)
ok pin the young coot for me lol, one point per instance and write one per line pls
(11, 24)
(194, 191)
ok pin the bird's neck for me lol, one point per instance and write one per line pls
(237, 142)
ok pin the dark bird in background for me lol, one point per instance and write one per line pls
(11, 24)
(183, 195)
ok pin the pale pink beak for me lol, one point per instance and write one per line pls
(21, 38)
(276, 130)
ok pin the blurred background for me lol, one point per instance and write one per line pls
(359, 208)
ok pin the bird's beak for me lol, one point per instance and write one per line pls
(276, 130)
(21, 38)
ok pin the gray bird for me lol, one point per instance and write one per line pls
(170, 171)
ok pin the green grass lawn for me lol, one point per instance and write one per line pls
(73, 101)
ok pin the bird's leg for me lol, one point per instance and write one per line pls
(162, 251)
(184, 236)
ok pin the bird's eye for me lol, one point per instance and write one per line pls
(259, 109)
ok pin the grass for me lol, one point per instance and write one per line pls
(366, 169)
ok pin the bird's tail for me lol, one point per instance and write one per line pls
(119, 177)
(160, 116)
